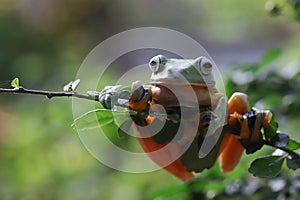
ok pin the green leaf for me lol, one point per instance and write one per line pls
(293, 145)
(272, 8)
(93, 119)
(15, 83)
(270, 56)
(68, 87)
(267, 166)
(75, 84)
(297, 15)
(270, 132)
(280, 140)
(293, 162)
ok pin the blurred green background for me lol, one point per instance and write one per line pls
(44, 42)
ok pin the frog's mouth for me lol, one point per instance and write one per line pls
(175, 82)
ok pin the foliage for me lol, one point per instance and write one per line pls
(15, 83)
(276, 9)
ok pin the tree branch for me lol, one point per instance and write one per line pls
(48, 94)
(288, 151)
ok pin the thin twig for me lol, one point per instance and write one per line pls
(48, 94)
(290, 152)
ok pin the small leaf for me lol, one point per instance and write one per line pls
(71, 86)
(293, 145)
(266, 167)
(280, 140)
(97, 118)
(68, 87)
(270, 56)
(75, 84)
(297, 14)
(272, 8)
(15, 83)
(93, 119)
(293, 162)
(271, 130)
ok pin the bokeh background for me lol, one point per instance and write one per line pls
(44, 42)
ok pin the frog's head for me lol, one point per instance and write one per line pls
(181, 71)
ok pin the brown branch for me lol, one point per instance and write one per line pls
(48, 94)
(288, 151)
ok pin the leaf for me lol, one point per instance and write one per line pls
(71, 86)
(267, 166)
(270, 56)
(280, 140)
(15, 83)
(293, 145)
(75, 84)
(93, 119)
(297, 14)
(271, 130)
(68, 87)
(272, 8)
(293, 162)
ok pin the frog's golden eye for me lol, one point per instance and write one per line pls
(205, 66)
(154, 63)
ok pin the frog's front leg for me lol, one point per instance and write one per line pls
(137, 99)
(112, 96)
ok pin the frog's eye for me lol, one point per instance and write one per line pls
(205, 66)
(154, 63)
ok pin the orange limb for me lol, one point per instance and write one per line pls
(175, 167)
(231, 148)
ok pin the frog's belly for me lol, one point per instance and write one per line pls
(182, 96)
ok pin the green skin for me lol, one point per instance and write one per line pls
(184, 76)
(181, 71)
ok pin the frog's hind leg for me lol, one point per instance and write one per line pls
(231, 149)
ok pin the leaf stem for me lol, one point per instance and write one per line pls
(290, 152)
(48, 94)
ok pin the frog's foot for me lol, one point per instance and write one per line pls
(111, 96)
(140, 97)
(231, 148)
(252, 122)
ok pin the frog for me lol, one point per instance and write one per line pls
(179, 86)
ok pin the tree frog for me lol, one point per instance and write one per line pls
(184, 90)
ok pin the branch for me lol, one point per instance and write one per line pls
(288, 151)
(48, 94)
